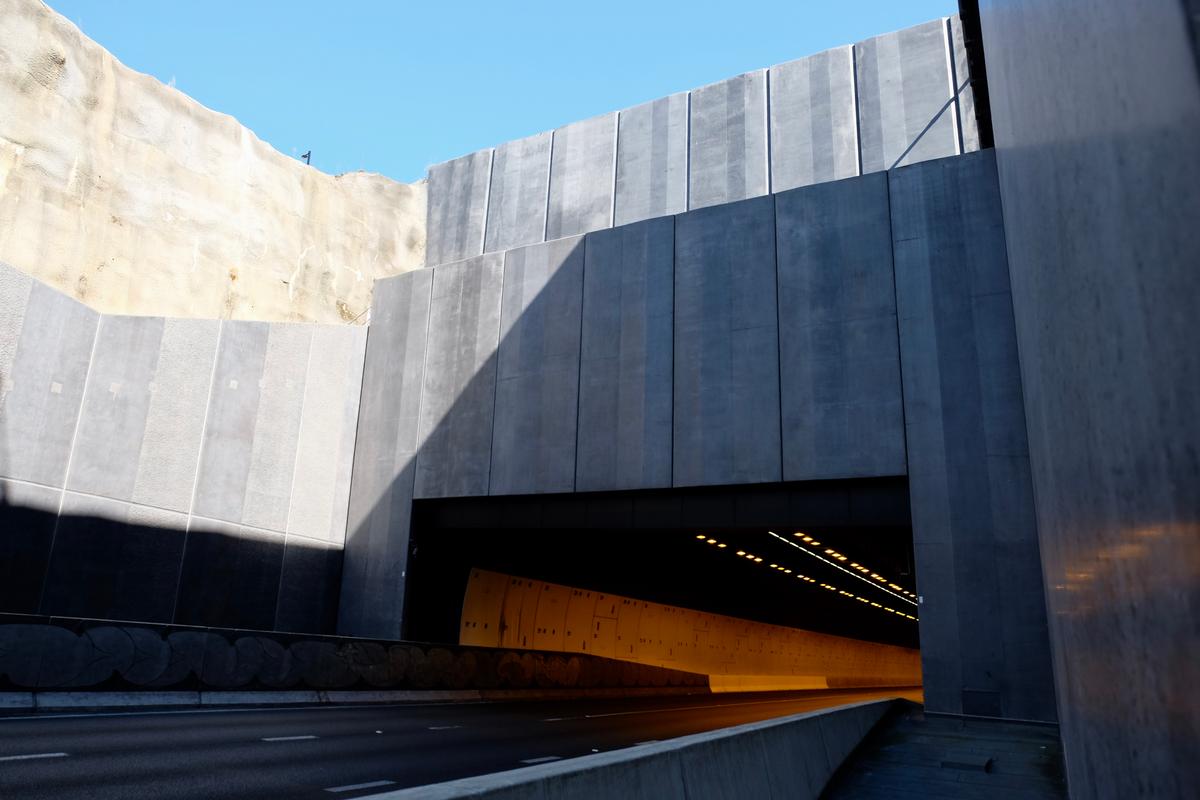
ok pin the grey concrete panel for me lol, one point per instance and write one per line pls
(251, 435)
(839, 348)
(727, 156)
(517, 204)
(1100, 175)
(320, 484)
(246, 558)
(376, 551)
(625, 365)
(113, 560)
(967, 123)
(28, 514)
(225, 457)
(814, 135)
(905, 113)
(43, 387)
(459, 393)
(968, 465)
(652, 160)
(277, 426)
(112, 420)
(457, 206)
(537, 381)
(308, 586)
(581, 177)
(726, 370)
(170, 445)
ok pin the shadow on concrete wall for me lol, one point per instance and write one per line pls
(91, 566)
(417, 564)
(54, 653)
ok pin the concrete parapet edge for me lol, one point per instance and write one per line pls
(792, 757)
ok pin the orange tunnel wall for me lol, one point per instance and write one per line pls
(507, 611)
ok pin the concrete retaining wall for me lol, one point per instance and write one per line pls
(788, 349)
(142, 456)
(42, 654)
(790, 757)
(884, 102)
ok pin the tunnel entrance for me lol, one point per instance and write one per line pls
(831, 556)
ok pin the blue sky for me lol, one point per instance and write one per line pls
(392, 87)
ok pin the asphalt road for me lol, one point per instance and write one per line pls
(342, 751)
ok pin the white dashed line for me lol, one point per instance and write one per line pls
(32, 755)
(444, 727)
(355, 786)
(287, 738)
(541, 760)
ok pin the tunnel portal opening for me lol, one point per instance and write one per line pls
(831, 557)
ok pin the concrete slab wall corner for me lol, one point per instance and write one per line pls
(984, 642)
(143, 455)
(1095, 118)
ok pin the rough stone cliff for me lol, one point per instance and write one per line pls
(135, 199)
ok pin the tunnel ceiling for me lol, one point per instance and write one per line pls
(655, 545)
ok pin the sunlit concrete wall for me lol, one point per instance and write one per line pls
(892, 100)
(132, 197)
(1096, 112)
(509, 611)
(172, 470)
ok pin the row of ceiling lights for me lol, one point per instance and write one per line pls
(836, 559)
(787, 571)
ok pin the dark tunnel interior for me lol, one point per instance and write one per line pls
(654, 545)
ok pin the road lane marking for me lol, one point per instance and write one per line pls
(32, 755)
(444, 727)
(541, 760)
(287, 738)
(356, 786)
(681, 708)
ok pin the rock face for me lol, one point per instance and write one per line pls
(135, 199)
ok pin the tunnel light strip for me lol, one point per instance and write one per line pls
(869, 582)
(811, 542)
(781, 568)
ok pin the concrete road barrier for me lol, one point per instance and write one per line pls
(791, 757)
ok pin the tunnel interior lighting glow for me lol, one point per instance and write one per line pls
(741, 552)
(702, 536)
(712, 541)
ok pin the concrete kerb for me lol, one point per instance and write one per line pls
(788, 757)
(26, 702)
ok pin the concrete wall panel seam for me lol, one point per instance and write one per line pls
(487, 200)
(70, 453)
(612, 210)
(549, 184)
(296, 461)
(858, 170)
(952, 79)
(196, 479)
(767, 127)
(687, 156)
